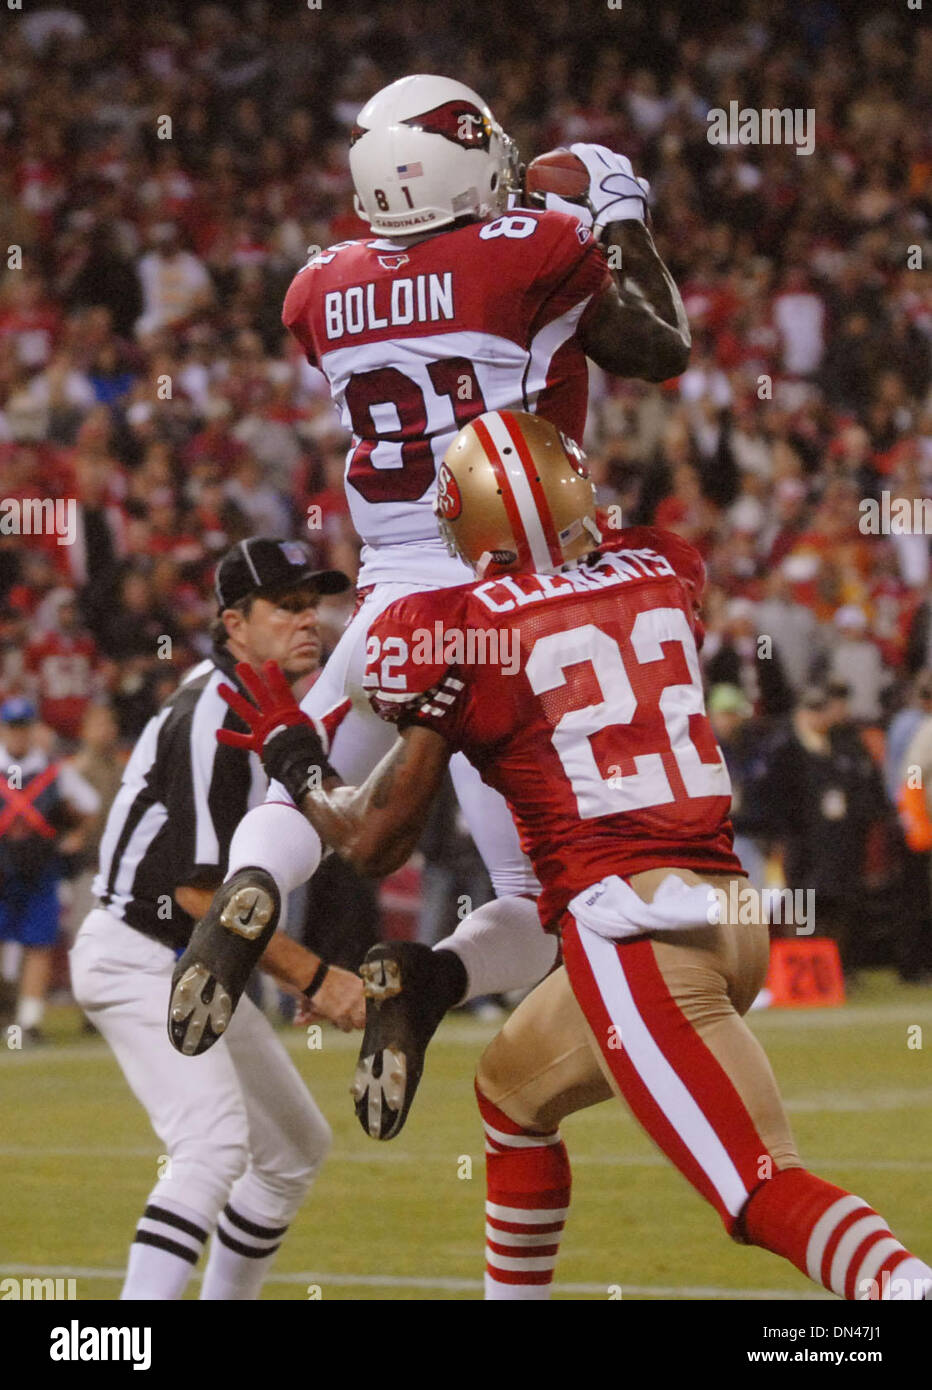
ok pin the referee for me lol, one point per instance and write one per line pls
(242, 1135)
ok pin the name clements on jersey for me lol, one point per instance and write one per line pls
(445, 645)
(613, 567)
(363, 308)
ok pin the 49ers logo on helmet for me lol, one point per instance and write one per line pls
(449, 501)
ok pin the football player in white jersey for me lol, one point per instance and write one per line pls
(459, 304)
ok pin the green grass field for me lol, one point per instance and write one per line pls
(405, 1220)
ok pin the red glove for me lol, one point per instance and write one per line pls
(285, 738)
(274, 706)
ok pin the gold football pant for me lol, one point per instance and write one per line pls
(658, 1023)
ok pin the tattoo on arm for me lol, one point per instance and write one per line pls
(388, 777)
(376, 826)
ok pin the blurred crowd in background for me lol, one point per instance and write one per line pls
(145, 373)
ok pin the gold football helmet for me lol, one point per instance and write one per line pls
(514, 496)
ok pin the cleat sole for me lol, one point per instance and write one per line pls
(400, 1021)
(200, 1011)
(214, 969)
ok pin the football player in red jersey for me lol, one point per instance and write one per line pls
(456, 305)
(568, 674)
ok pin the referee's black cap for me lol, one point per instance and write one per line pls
(259, 564)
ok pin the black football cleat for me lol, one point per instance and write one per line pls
(406, 997)
(220, 957)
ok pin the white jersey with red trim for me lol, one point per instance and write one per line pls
(417, 341)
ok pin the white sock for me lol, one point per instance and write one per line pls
(168, 1244)
(503, 947)
(29, 1011)
(241, 1254)
(277, 838)
(11, 958)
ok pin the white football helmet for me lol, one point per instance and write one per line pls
(426, 150)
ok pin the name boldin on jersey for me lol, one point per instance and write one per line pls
(364, 308)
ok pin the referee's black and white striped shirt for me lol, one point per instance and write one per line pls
(182, 796)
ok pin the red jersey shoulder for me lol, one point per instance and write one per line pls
(337, 261)
(508, 276)
(411, 668)
(685, 558)
(534, 267)
(551, 250)
(548, 238)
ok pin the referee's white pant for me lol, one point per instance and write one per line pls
(238, 1118)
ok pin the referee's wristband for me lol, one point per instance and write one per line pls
(320, 974)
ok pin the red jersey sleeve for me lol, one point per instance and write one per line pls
(413, 674)
(295, 315)
(573, 268)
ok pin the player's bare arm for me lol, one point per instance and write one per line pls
(638, 326)
(376, 827)
(339, 997)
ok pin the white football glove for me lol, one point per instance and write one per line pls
(616, 194)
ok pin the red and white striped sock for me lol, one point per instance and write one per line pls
(528, 1181)
(837, 1239)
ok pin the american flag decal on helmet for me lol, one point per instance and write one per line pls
(409, 171)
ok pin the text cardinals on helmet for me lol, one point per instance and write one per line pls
(515, 496)
(425, 151)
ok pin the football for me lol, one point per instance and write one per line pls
(558, 171)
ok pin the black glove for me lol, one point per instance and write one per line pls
(295, 757)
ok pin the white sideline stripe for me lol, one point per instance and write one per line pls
(398, 1156)
(473, 1035)
(666, 1088)
(521, 488)
(521, 1216)
(850, 1103)
(821, 1232)
(848, 1016)
(398, 1281)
